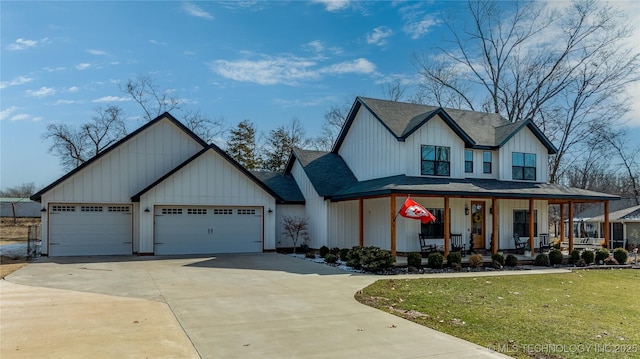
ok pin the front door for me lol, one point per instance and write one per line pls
(477, 225)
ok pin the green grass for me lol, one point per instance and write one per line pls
(583, 314)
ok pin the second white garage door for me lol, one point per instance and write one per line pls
(204, 230)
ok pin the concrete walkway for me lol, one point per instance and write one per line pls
(230, 306)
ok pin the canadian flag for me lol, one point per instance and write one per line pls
(412, 209)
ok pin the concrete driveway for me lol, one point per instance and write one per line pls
(228, 306)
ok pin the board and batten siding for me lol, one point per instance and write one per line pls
(506, 208)
(343, 224)
(525, 142)
(315, 207)
(284, 210)
(209, 180)
(125, 170)
(478, 165)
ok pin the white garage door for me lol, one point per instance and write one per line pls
(203, 230)
(90, 229)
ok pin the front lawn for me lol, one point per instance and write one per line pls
(583, 314)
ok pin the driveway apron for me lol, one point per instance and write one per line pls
(254, 306)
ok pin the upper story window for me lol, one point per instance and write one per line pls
(523, 166)
(468, 161)
(435, 160)
(486, 162)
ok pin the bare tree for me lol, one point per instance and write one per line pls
(295, 228)
(209, 130)
(567, 85)
(153, 100)
(75, 146)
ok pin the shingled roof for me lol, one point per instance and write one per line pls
(327, 171)
(477, 129)
(282, 184)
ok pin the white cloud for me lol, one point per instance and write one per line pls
(358, 66)
(96, 52)
(83, 66)
(22, 44)
(73, 89)
(7, 111)
(270, 71)
(196, 11)
(53, 69)
(333, 5)
(417, 29)
(41, 92)
(156, 42)
(64, 102)
(16, 81)
(20, 117)
(315, 46)
(111, 99)
(379, 36)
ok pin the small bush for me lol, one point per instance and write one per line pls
(476, 260)
(511, 260)
(456, 267)
(581, 263)
(344, 252)
(310, 255)
(374, 259)
(498, 258)
(575, 256)
(454, 258)
(541, 260)
(331, 258)
(601, 255)
(324, 250)
(414, 259)
(335, 251)
(435, 260)
(555, 257)
(496, 264)
(353, 257)
(588, 256)
(621, 255)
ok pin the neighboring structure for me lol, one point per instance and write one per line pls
(19, 207)
(624, 223)
(162, 190)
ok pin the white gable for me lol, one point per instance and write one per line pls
(524, 141)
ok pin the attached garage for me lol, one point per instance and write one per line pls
(90, 229)
(207, 229)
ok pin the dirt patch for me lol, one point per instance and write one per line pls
(13, 232)
(10, 265)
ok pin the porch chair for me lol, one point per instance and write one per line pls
(544, 242)
(458, 245)
(520, 244)
(426, 248)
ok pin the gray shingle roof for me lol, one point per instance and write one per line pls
(282, 184)
(327, 171)
(402, 184)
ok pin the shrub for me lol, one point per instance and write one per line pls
(335, 251)
(541, 260)
(575, 256)
(435, 260)
(476, 260)
(511, 260)
(455, 266)
(454, 258)
(374, 259)
(498, 258)
(496, 264)
(611, 261)
(588, 256)
(601, 255)
(324, 250)
(310, 255)
(344, 253)
(353, 257)
(331, 258)
(581, 263)
(414, 259)
(621, 255)
(555, 257)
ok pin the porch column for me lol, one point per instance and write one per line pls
(606, 224)
(570, 226)
(393, 224)
(561, 222)
(447, 231)
(494, 231)
(361, 222)
(531, 226)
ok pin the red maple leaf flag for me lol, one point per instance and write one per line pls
(412, 209)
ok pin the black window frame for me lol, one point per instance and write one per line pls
(434, 230)
(435, 166)
(487, 167)
(468, 164)
(522, 228)
(519, 168)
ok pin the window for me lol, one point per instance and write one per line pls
(486, 162)
(521, 222)
(172, 211)
(196, 211)
(59, 208)
(468, 161)
(435, 160)
(91, 209)
(523, 166)
(434, 229)
(123, 209)
(222, 211)
(246, 211)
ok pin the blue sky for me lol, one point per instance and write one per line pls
(264, 61)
